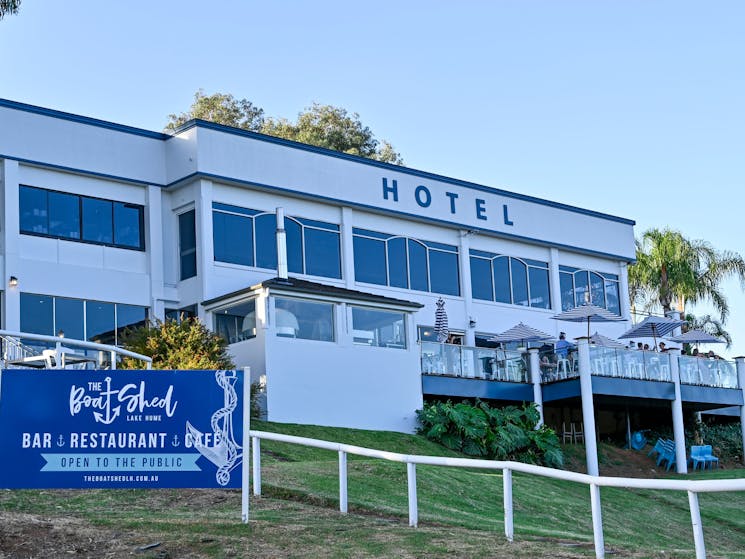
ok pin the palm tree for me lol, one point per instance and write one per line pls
(673, 269)
(709, 324)
(9, 7)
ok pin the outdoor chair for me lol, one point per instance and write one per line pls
(566, 434)
(668, 453)
(709, 458)
(657, 448)
(578, 433)
(563, 368)
(697, 456)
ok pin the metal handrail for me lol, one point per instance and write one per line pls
(692, 487)
(59, 340)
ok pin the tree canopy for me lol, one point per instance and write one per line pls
(671, 269)
(319, 125)
(9, 7)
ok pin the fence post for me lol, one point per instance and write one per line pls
(509, 530)
(698, 529)
(343, 481)
(256, 456)
(411, 479)
(597, 521)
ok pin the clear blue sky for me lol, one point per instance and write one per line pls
(634, 108)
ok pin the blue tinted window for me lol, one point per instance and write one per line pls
(519, 283)
(481, 279)
(97, 221)
(294, 236)
(127, 225)
(64, 215)
(322, 254)
(369, 261)
(540, 294)
(266, 241)
(597, 289)
(443, 274)
(501, 268)
(398, 270)
(567, 291)
(232, 236)
(33, 210)
(99, 320)
(580, 287)
(128, 316)
(37, 314)
(187, 244)
(611, 297)
(418, 266)
(69, 317)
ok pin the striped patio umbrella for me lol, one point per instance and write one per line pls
(605, 341)
(522, 333)
(653, 327)
(697, 337)
(441, 322)
(587, 313)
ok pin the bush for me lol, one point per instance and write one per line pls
(187, 344)
(504, 433)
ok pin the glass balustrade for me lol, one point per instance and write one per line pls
(473, 362)
(632, 364)
(702, 371)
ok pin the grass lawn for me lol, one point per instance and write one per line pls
(460, 513)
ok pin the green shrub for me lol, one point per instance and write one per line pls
(500, 433)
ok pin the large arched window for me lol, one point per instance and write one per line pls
(248, 237)
(397, 261)
(508, 279)
(602, 288)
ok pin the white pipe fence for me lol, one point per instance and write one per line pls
(693, 487)
(60, 342)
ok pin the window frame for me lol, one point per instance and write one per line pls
(81, 230)
(528, 263)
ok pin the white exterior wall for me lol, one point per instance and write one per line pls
(201, 164)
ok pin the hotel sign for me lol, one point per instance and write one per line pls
(121, 429)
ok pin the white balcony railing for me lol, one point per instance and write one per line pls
(473, 362)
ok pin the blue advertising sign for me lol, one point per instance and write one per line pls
(121, 429)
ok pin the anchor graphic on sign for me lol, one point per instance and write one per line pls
(61, 441)
(225, 453)
(175, 441)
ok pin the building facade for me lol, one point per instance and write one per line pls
(104, 225)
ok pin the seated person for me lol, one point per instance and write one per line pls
(562, 347)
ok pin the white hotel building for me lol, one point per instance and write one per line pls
(104, 225)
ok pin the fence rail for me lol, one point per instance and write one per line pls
(692, 487)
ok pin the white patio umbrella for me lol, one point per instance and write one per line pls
(522, 333)
(587, 313)
(605, 341)
(654, 327)
(441, 322)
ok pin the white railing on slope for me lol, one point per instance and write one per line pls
(693, 487)
(13, 349)
(61, 341)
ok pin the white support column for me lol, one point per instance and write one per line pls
(555, 283)
(9, 174)
(343, 506)
(534, 365)
(588, 407)
(154, 248)
(681, 462)
(740, 364)
(464, 262)
(205, 248)
(347, 247)
(623, 289)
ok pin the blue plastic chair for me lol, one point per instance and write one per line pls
(668, 454)
(698, 456)
(658, 448)
(709, 458)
